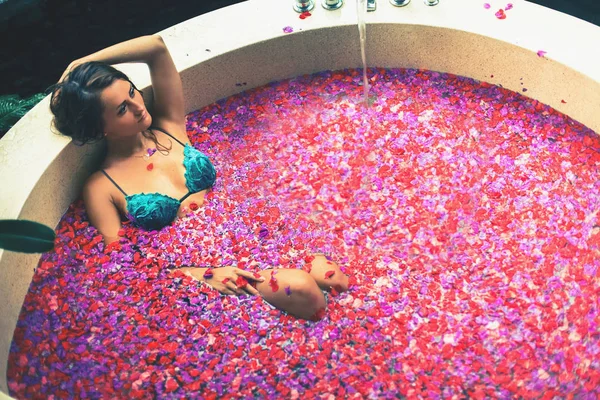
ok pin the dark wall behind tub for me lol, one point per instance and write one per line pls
(588, 10)
(38, 38)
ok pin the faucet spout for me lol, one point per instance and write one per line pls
(303, 5)
(399, 3)
(332, 4)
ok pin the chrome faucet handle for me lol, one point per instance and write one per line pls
(399, 3)
(332, 4)
(431, 2)
(304, 5)
(371, 5)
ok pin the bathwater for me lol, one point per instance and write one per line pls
(465, 215)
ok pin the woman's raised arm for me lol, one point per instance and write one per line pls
(166, 84)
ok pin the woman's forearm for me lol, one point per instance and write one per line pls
(198, 272)
(142, 49)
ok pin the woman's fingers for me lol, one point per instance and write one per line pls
(234, 288)
(228, 287)
(234, 281)
(250, 290)
(67, 71)
(249, 275)
(242, 286)
(242, 281)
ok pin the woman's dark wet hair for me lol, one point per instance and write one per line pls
(76, 103)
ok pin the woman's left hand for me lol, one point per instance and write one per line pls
(227, 280)
(71, 66)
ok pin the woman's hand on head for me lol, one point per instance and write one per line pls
(71, 67)
(228, 280)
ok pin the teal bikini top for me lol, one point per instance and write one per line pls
(153, 211)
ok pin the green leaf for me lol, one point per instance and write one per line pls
(13, 108)
(25, 236)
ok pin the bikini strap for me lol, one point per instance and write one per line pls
(185, 197)
(163, 131)
(113, 181)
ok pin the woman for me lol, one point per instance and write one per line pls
(151, 172)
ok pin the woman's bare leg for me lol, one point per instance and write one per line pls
(294, 291)
(299, 292)
(320, 270)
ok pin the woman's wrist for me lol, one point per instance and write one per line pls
(198, 273)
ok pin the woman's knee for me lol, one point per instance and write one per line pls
(294, 291)
(305, 285)
(328, 274)
(301, 284)
(309, 299)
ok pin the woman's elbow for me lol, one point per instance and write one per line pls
(160, 43)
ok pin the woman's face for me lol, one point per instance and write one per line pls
(125, 113)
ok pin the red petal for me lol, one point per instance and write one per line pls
(241, 281)
(329, 274)
(171, 385)
(309, 259)
(274, 286)
(150, 167)
(273, 282)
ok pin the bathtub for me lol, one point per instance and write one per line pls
(245, 44)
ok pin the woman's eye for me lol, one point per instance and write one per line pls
(131, 92)
(122, 109)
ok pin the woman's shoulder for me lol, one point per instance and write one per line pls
(97, 182)
(99, 186)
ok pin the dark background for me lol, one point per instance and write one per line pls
(39, 38)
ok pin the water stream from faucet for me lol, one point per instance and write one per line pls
(361, 11)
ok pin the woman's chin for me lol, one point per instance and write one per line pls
(147, 122)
